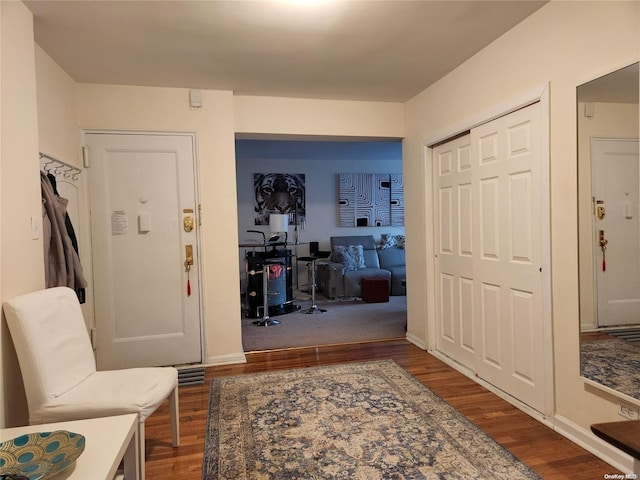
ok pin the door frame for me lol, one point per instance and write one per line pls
(539, 94)
(199, 244)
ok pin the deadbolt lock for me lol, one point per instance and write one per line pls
(188, 223)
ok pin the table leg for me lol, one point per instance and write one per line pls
(132, 458)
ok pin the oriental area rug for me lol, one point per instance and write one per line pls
(358, 421)
(613, 363)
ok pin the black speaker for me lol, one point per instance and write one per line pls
(313, 248)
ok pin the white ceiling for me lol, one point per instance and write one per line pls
(359, 50)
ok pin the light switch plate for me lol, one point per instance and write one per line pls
(36, 228)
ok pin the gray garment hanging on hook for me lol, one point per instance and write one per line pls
(62, 264)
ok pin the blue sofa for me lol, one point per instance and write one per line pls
(394, 260)
(338, 278)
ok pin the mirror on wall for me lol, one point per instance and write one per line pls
(609, 230)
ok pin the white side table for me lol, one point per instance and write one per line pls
(108, 440)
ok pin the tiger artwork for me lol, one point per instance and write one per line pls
(278, 193)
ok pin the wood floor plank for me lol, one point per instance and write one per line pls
(547, 452)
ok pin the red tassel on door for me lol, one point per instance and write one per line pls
(188, 288)
(604, 265)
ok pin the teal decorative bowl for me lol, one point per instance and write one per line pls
(39, 456)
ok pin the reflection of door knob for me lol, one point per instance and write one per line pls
(188, 224)
(188, 253)
(603, 245)
(603, 241)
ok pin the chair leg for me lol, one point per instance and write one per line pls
(174, 411)
(141, 448)
(175, 430)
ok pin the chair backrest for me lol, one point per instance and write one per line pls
(368, 246)
(51, 341)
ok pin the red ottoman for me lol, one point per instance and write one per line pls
(374, 289)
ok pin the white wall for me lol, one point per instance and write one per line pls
(22, 268)
(57, 110)
(565, 44)
(297, 116)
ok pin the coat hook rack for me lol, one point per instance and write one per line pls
(58, 167)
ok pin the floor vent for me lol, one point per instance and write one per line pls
(628, 334)
(191, 376)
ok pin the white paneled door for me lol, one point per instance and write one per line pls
(143, 223)
(489, 246)
(455, 281)
(616, 193)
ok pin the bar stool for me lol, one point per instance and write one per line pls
(312, 266)
(266, 320)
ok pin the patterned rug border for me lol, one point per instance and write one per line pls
(480, 450)
(614, 363)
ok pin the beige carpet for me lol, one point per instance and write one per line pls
(345, 321)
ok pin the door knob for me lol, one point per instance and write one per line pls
(188, 253)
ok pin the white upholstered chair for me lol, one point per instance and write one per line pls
(59, 369)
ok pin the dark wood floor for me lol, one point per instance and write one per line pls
(546, 451)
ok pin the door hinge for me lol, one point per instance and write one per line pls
(94, 338)
(85, 156)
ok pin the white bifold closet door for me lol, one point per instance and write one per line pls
(488, 242)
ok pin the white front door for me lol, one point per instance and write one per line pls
(142, 193)
(616, 191)
(489, 284)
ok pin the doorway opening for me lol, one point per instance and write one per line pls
(309, 170)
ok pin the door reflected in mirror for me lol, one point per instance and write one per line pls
(609, 230)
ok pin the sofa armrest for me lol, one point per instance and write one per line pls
(330, 278)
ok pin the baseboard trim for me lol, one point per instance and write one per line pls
(493, 389)
(417, 341)
(565, 427)
(227, 359)
(593, 444)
